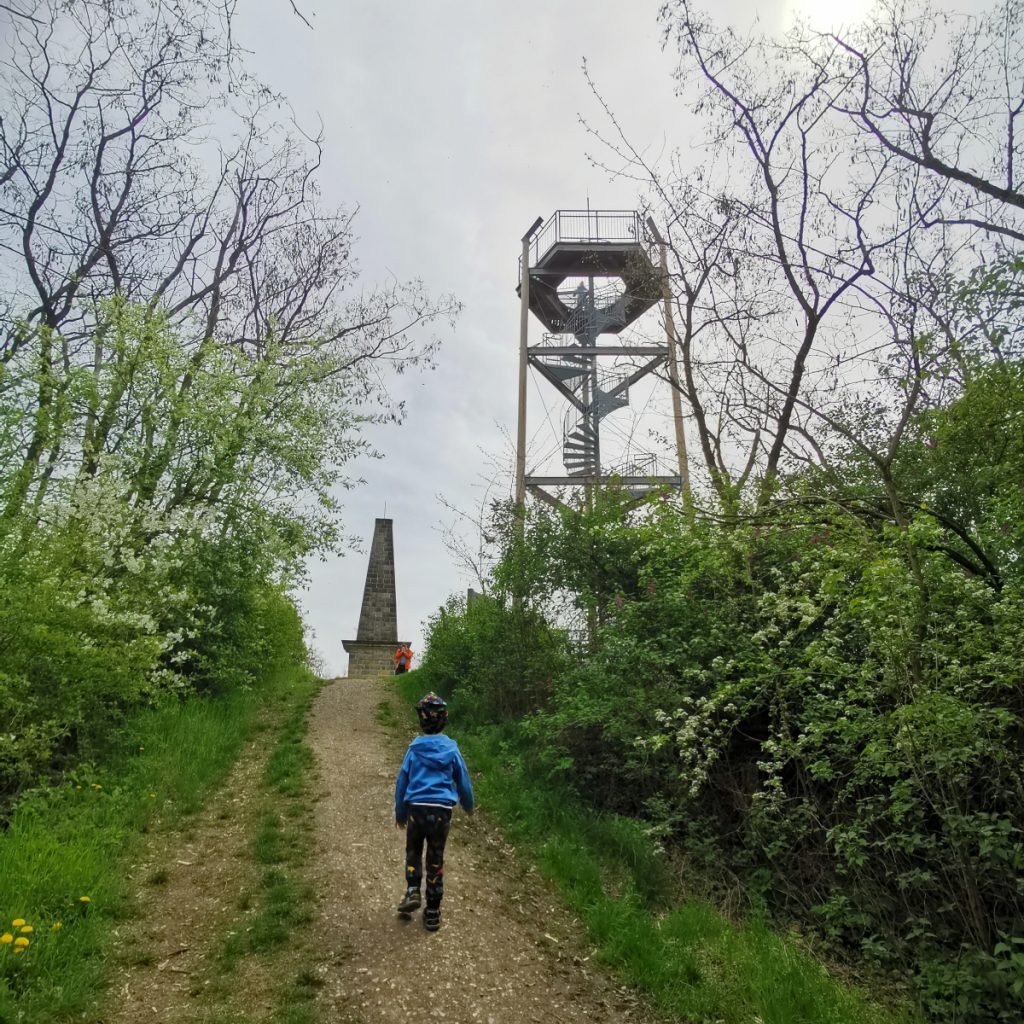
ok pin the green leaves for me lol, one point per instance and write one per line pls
(820, 699)
(160, 498)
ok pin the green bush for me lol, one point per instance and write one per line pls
(151, 525)
(79, 653)
(817, 703)
(501, 660)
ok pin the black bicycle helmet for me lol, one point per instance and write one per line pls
(432, 713)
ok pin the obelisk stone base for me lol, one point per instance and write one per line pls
(369, 660)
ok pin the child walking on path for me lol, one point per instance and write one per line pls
(432, 780)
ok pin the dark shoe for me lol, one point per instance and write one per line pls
(432, 918)
(410, 902)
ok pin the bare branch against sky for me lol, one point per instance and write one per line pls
(450, 126)
(453, 125)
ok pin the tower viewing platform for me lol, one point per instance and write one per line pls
(584, 274)
(585, 244)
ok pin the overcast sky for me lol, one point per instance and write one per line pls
(452, 124)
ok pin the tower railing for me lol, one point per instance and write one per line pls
(548, 340)
(590, 226)
(638, 464)
(573, 419)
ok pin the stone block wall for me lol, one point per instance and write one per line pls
(367, 661)
(378, 616)
(372, 653)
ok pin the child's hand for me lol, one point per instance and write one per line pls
(400, 825)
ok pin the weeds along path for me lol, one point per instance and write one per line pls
(504, 955)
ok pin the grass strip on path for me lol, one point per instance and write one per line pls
(65, 854)
(270, 940)
(682, 954)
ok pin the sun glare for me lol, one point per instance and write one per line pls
(826, 14)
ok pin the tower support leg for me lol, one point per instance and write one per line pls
(673, 374)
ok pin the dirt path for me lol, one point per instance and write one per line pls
(504, 954)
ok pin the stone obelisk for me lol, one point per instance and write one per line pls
(372, 653)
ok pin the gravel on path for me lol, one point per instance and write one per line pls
(505, 953)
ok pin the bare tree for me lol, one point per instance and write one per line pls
(714, 308)
(825, 223)
(815, 219)
(138, 158)
(944, 94)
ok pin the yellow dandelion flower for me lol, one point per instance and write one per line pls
(96, 785)
(78, 787)
(57, 926)
(21, 941)
(27, 929)
(7, 938)
(84, 899)
(152, 796)
(19, 949)
(18, 922)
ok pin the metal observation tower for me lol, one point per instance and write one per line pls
(585, 274)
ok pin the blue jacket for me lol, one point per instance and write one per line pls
(433, 772)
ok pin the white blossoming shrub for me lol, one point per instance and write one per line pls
(147, 549)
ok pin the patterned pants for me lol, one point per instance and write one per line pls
(427, 825)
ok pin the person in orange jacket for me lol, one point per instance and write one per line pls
(403, 659)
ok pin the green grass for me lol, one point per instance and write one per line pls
(282, 903)
(687, 958)
(691, 962)
(78, 839)
(410, 688)
(386, 714)
(292, 758)
(292, 1013)
(286, 904)
(269, 846)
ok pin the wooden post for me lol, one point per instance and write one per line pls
(673, 372)
(524, 328)
(595, 393)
